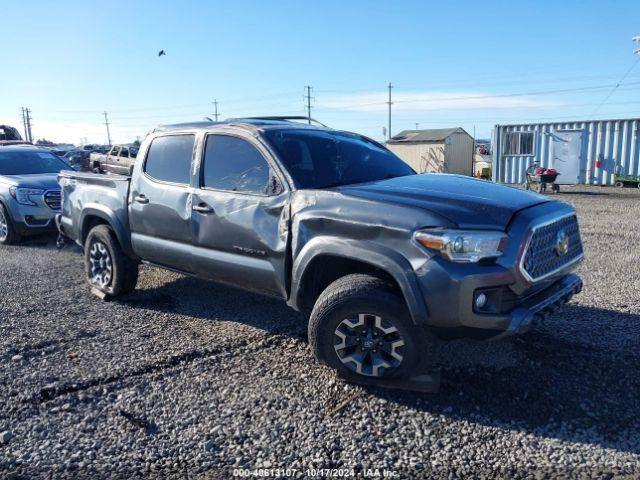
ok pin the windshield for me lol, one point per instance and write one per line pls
(30, 162)
(320, 159)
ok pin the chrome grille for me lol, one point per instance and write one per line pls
(52, 199)
(541, 257)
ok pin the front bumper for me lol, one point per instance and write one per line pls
(449, 291)
(32, 219)
(539, 305)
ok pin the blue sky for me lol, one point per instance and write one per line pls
(463, 63)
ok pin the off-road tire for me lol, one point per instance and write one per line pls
(12, 237)
(124, 270)
(358, 293)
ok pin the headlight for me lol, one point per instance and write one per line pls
(463, 246)
(25, 196)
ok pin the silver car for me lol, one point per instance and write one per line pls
(29, 192)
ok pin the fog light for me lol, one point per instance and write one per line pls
(481, 301)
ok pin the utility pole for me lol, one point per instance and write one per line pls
(215, 105)
(473, 153)
(24, 124)
(28, 114)
(308, 97)
(390, 103)
(106, 122)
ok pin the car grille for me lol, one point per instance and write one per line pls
(541, 257)
(52, 199)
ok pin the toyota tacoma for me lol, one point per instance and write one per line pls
(383, 259)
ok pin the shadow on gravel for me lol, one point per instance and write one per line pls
(211, 301)
(40, 240)
(45, 240)
(557, 388)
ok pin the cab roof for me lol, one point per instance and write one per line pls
(250, 123)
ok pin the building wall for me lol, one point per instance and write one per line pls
(608, 147)
(438, 157)
(459, 154)
(422, 157)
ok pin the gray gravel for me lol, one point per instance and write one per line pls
(185, 378)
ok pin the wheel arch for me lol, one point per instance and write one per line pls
(100, 215)
(332, 258)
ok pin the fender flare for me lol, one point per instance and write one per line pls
(101, 211)
(368, 252)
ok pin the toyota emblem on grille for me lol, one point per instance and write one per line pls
(562, 243)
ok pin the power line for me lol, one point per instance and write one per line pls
(480, 97)
(615, 87)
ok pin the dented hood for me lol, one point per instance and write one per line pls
(465, 201)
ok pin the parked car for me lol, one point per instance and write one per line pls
(120, 159)
(78, 159)
(336, 225)
(29, 191)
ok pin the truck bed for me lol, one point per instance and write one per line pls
(90, 194)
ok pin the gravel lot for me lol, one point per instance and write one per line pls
(188, 378)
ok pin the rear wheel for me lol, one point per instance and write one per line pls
(360, 327)
(8, 233)
(108, 269)
(619, 184)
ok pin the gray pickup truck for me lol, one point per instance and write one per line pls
(384, 260)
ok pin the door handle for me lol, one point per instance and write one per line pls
(202, 208)
(141, 199)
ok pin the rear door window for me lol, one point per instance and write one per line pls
(169, 159)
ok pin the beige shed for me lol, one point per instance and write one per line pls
(442, 150)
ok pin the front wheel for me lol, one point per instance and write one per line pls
(362, 328)
(8, 233)
(108, 269)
